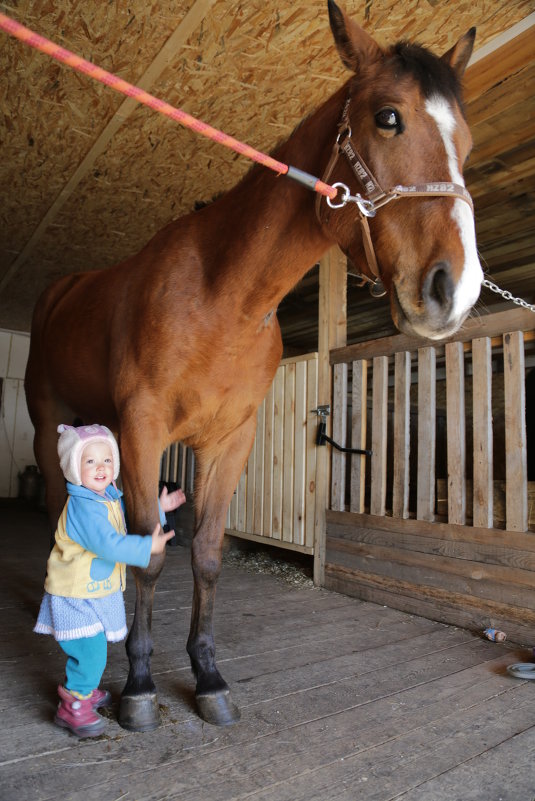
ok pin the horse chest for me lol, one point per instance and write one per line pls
(220, 388)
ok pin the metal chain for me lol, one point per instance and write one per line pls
(507, 295)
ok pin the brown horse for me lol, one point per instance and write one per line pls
(181, 341)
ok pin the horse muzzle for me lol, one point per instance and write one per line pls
(438, 310)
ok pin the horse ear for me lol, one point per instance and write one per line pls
(355, 46)
(459, 55)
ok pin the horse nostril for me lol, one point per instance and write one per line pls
(438, 285)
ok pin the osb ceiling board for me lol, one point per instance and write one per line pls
(81, 188)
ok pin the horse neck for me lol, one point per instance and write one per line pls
(274, 237)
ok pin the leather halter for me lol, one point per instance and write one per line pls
(375, 197)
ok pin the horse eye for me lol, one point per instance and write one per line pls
(388, 119)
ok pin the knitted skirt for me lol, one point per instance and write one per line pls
(73, 618)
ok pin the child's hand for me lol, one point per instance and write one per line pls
(171, 500)
(159, 539)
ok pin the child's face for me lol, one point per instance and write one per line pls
(96, 468)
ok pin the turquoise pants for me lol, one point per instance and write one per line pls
(86, 662)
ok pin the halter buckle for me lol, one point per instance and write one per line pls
(344, 133)
(377, 289)
(365, 206)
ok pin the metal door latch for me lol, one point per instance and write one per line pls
(321, 437)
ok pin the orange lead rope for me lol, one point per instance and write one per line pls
(109, 79)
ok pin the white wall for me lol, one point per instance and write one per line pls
(16, 430)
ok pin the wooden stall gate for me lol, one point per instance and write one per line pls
(275, 500)
(437, 522)
(178, 467)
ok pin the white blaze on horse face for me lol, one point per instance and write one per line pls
(468, 287)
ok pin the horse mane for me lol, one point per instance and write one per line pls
(433, 74)
(202, 204)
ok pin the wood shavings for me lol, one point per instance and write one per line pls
(268, 562)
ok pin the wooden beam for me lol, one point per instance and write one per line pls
(505, 55)
(425, 490)
(332, 333)
(402, 401)
(379, 435)
(490, 325)
(359, 392)
(339, 428)
(516, 497)
(456, 433)
(483, 495)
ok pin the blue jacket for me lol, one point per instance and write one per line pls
(91, 551)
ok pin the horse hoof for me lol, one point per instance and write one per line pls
(218, 708)
(139, 712)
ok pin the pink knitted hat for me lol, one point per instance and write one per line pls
(73, 440)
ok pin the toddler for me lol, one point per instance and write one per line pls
(83, 605)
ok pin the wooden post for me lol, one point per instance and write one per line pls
(425, 491)
(259, 471)
(278, 450)
(332, 333)
(402, 404)
(250, 490)
(300, 422)
(288, 457)
(312, 453)
(267, 517)
(339, 429)
(359, 393)
(483, 500)
(516, 477)
(379, 435)
(456, 433)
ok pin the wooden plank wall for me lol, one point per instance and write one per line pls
(16, 431)
(275, 499)
(178, 467)
(442, 521)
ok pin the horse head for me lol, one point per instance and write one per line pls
(404, 120)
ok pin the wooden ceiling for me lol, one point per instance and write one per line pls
(87, 177)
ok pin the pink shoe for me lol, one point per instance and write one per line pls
(100, 699)
(78, 715)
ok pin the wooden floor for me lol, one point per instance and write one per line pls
(341, 700)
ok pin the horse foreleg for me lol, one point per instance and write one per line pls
(216, 480)
(139, 710)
